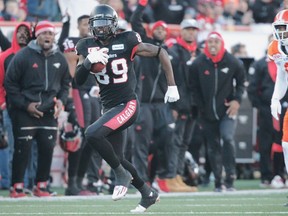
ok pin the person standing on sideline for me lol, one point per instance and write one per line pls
(87, 108)
(277, 51)
(217, 84)
(117, 93)
(21, 37)
(183, 53)
(36, 83)
(155, 124)
(262, 77)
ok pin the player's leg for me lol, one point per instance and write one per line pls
(113, 121)
(149, 195)
(285, 140)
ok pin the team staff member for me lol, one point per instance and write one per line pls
(87, 107)
(21, 37)
(155, 122)
(212, 76)
(37, 83)
(183, 53)
(117, 93)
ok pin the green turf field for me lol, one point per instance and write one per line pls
(264, 202)
(249, 199)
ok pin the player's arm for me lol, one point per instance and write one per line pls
(150, 50)
(84, 64)
(82, 72)
(281, 82)
(280, 89)
(72, 59)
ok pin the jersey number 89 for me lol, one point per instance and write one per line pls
(119, 68)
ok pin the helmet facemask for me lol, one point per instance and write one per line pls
(103, 22)
(280, 32)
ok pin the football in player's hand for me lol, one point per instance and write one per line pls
(97, 67)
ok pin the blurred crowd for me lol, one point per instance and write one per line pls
(208, 12)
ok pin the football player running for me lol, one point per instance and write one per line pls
(278, 52)
(120, 104)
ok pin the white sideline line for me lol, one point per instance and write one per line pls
(148, 213)
(188, 195)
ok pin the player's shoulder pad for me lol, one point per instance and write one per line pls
(82, 45)
(273, 50)
(132, 36)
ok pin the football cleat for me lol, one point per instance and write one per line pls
(146, 202)
(119, 192)
(41, 190)
(277, 182)
(121, 186)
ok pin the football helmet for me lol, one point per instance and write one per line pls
(280, 27)
(70, 137)
(103, 22)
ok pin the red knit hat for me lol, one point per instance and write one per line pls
(44, 26)
(159, 23)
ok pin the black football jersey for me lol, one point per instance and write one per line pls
(117, 80)
(69, 45)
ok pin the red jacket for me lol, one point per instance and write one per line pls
(3, 56)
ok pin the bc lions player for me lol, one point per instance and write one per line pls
(117, 83)
(278, 51)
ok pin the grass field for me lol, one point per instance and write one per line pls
(247, 200)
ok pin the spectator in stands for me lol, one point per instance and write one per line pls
(130, 7)
(218, 105)
(206, 15)
(264, 11)
(172, 11)
(4, 14)
(117, 5)
(38, 10)
(35, 102)
(243, 14)
(12, 9)
(237, 12)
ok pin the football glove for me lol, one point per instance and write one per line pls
(98, 56)
(172, 94)
(275, 108)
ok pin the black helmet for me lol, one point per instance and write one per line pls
(103, 21)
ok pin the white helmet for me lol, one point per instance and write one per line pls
(280, 27)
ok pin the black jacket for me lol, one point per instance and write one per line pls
(32, 77)
(261, 84)
(181, 61)
(152, 76)
(214, 84)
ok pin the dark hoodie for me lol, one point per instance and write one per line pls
(212, 81)
(152, 84)
(35, 77)
(5, 58)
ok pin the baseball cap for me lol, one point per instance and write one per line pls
(189, 23)
(159, 23)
